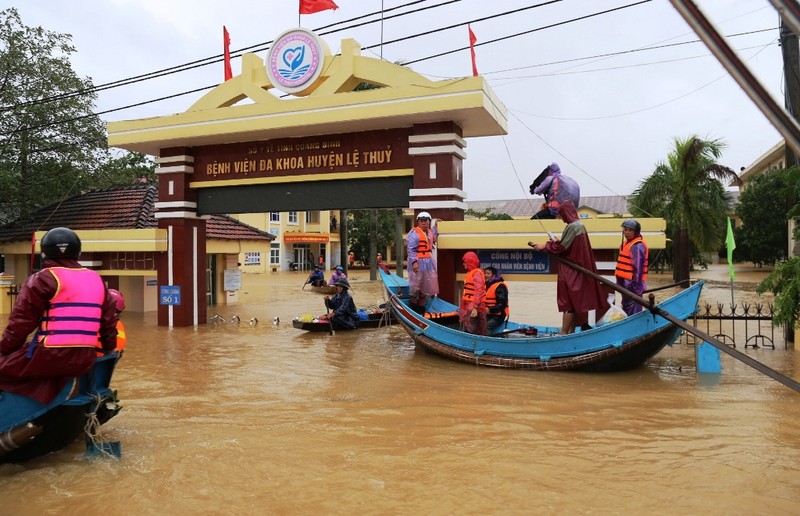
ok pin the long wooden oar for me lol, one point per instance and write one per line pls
(328, 314)
(650, 305)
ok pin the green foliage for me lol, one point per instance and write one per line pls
(50, 140)
(686, 191)
(358, 231)
(488, 214)
(763, 205)
(784, 282)
(125, 169)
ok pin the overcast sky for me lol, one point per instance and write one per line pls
(588, 94)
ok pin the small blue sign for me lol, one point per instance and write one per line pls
(152, 283)
(516, 261)
(169, 295)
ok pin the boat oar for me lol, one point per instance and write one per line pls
(328, 314)
(650, 305)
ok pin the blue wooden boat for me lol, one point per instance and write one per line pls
(616, 346)
(29, 429)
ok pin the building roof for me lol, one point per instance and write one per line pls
(131, 207)
(611, 204)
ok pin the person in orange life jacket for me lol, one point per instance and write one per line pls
(556, 188)
(576, 293)
(632, 264)
(68, 306)
(472, 310)
(496, 299)
(423, 279)
(122, 337)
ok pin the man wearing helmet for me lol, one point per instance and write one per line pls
(338, 273)
(423, 279)
(68, 306)
(632, 264)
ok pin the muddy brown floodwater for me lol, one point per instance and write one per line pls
(233, 418)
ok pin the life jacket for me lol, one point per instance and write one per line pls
(122, 340)
(424, 247)
(469, 284)
(625, 262)
(491, 296)
(72, 317)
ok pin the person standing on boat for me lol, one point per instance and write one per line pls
(472, 310)
(317, 277)
(338, 273)
(576, 292)
(423, 280)
(632, 264)
(70, 309)
(556, 188)
(344, 308)
(497, 310)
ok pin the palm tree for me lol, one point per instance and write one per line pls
(686, 191)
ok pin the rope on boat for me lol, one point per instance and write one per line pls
(650, 305)
(93, 433)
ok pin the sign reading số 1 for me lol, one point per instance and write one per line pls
(169, 295)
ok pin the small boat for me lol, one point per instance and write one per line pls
(323, 289)
(616, 346)
(368, 318)
(30, 429)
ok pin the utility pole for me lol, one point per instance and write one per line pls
(791, 71)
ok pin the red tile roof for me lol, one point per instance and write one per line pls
(131, 207)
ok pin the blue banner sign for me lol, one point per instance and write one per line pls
(516, 262)
(169, 295)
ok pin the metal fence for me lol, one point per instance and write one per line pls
(748, 324)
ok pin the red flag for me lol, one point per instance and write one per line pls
(226, 40)
(315, 6)
(472, 41)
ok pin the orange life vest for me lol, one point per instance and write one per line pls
(469, 284)
(424, 247)
(72, 317)
(122, 339)
(491, 296)
(625, 263)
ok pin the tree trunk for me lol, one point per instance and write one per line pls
(683, 257)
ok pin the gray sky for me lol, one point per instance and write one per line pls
(606, 120)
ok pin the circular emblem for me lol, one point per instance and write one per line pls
(295, 60)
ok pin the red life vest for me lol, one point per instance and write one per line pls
(424, 247)
(625, 262)
(72, 317)
(491, 296)
(469, 284)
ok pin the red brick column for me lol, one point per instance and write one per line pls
(437, 151)
(184, 263)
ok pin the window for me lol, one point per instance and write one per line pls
(293, 217)
(253, 258)
(275, 254)
(312, 217)
(274, 216)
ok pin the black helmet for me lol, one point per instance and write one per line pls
(632, 224)
(61, 243)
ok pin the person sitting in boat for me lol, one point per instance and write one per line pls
(497, 310)
(423, 280)
(317, 277)
(68, 306)
(472, 311)
(631, 272)
(122, 337)
(338, 273)
(344, 309)
(576, 293)
(556, 188)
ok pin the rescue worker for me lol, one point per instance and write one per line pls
(423, 278)
(122, 338)
(497, 310)
(70, 309)
(472, 311)
(556, 189)
(632, 264)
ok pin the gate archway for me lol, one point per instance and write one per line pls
(305, 140)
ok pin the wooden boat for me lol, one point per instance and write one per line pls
(368, 318)
(324, 289)
(616, 346)
(29, 429)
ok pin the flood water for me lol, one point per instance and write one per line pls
(265, 419)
